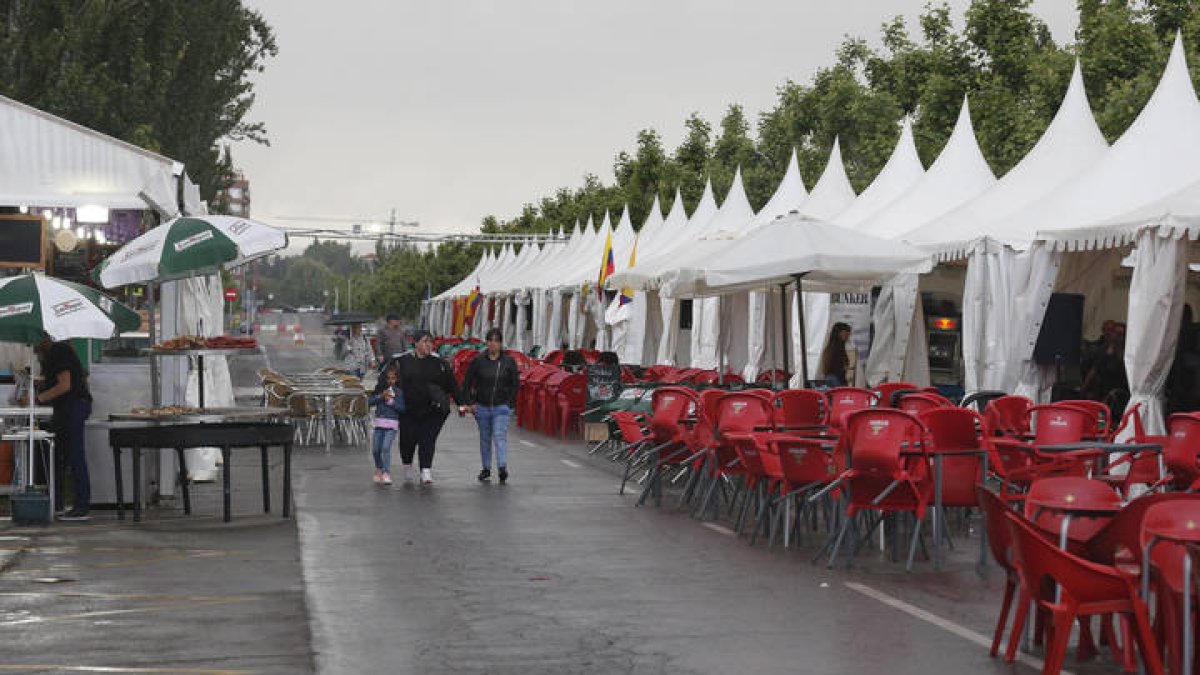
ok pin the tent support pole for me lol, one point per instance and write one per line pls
(783, 330)
(803, 333)
(155, 385)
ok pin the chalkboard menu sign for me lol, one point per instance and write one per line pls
(603, 382)
(22, 241)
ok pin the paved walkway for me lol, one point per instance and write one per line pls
(556, 573)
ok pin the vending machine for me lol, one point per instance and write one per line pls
(944, 336)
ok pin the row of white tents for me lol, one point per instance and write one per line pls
(1075, 215)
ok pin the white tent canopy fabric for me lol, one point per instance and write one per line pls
(833, 192)
(902, 170)
(1155, 158)
(1071, 144)
(48, 161)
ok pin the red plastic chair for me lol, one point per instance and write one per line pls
(845, 400)
(804, 464)
(554, 358)
(780, 377)
(1182, 451)
(1168, 530)
(674, 414)
(1087, 589)
(571, 400)
(529, 396)
(1020, 462)
(885, 390)
(656, 373)
(1008, 416)
(917, 403)
(548, 401)
(889, 470)
(1100, 409)
(702, 376)
(955, 432)
(738, 417)
(999, 540)
(800, 409)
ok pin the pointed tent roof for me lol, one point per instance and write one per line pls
(833, 192)
(1153, 159)
(789, 196)
(668, 249)
(735, 218)
(1070, 145)
(653, 223)
(902, 170)
(958, 174)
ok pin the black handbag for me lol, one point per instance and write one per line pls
(439, 400)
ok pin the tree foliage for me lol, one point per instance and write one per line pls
(171, 76)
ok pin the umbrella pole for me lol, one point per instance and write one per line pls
(155, 385)
(783, 329)
(803, 332)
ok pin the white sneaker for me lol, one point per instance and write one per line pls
(426, 477)
(378, 475)
(387, 478)
(408, 473)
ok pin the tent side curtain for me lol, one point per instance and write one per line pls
(48, 161)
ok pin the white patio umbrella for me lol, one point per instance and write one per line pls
(794, 248)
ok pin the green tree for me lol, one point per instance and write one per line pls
(169, 75)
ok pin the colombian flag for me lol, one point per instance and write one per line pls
(607, 268)
(474, 299)
(627, 291)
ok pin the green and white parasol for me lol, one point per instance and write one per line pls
(189, 246)
(33, 303)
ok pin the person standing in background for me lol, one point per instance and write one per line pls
(389, 343)
(357, 358)
(428, 383)
(490, 387)
(835, 361)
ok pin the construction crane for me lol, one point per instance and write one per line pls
(359, 233)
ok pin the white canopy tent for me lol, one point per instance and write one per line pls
(958, 174)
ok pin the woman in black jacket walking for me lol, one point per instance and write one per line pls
(490, 386)
(428, 383)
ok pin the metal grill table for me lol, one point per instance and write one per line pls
(225, 435)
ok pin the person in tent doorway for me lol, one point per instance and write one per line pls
(65, 388)
(428, 383)
(388, 399)
(836, 367)
(490, 387)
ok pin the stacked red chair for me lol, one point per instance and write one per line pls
(885, 391)
(846, 400)
(570, 403)
(674, 414)
(889, 472)
(800, 410)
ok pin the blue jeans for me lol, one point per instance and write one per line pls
(381, 448)
(493, 428)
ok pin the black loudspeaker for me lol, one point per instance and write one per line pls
(1061, 337)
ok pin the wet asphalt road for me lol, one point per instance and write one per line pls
(552, 573)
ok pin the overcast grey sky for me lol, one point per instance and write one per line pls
(452, 110)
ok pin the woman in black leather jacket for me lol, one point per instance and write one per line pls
(490, 387)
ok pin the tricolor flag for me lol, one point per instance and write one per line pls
(474, 299)
(627, 291)
(607, 268)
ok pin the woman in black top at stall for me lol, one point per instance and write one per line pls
(428, 383)
(65, 388)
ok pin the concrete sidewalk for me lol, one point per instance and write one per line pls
(175, 593)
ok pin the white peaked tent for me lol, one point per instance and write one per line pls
(1153, 160)
(711, 315)
(1071, 144)
(628, 321)
(831, 195)
(789, 196)
(958, 174)
(668, 344)
(833, 192)
(829, 257)
(902, 170)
